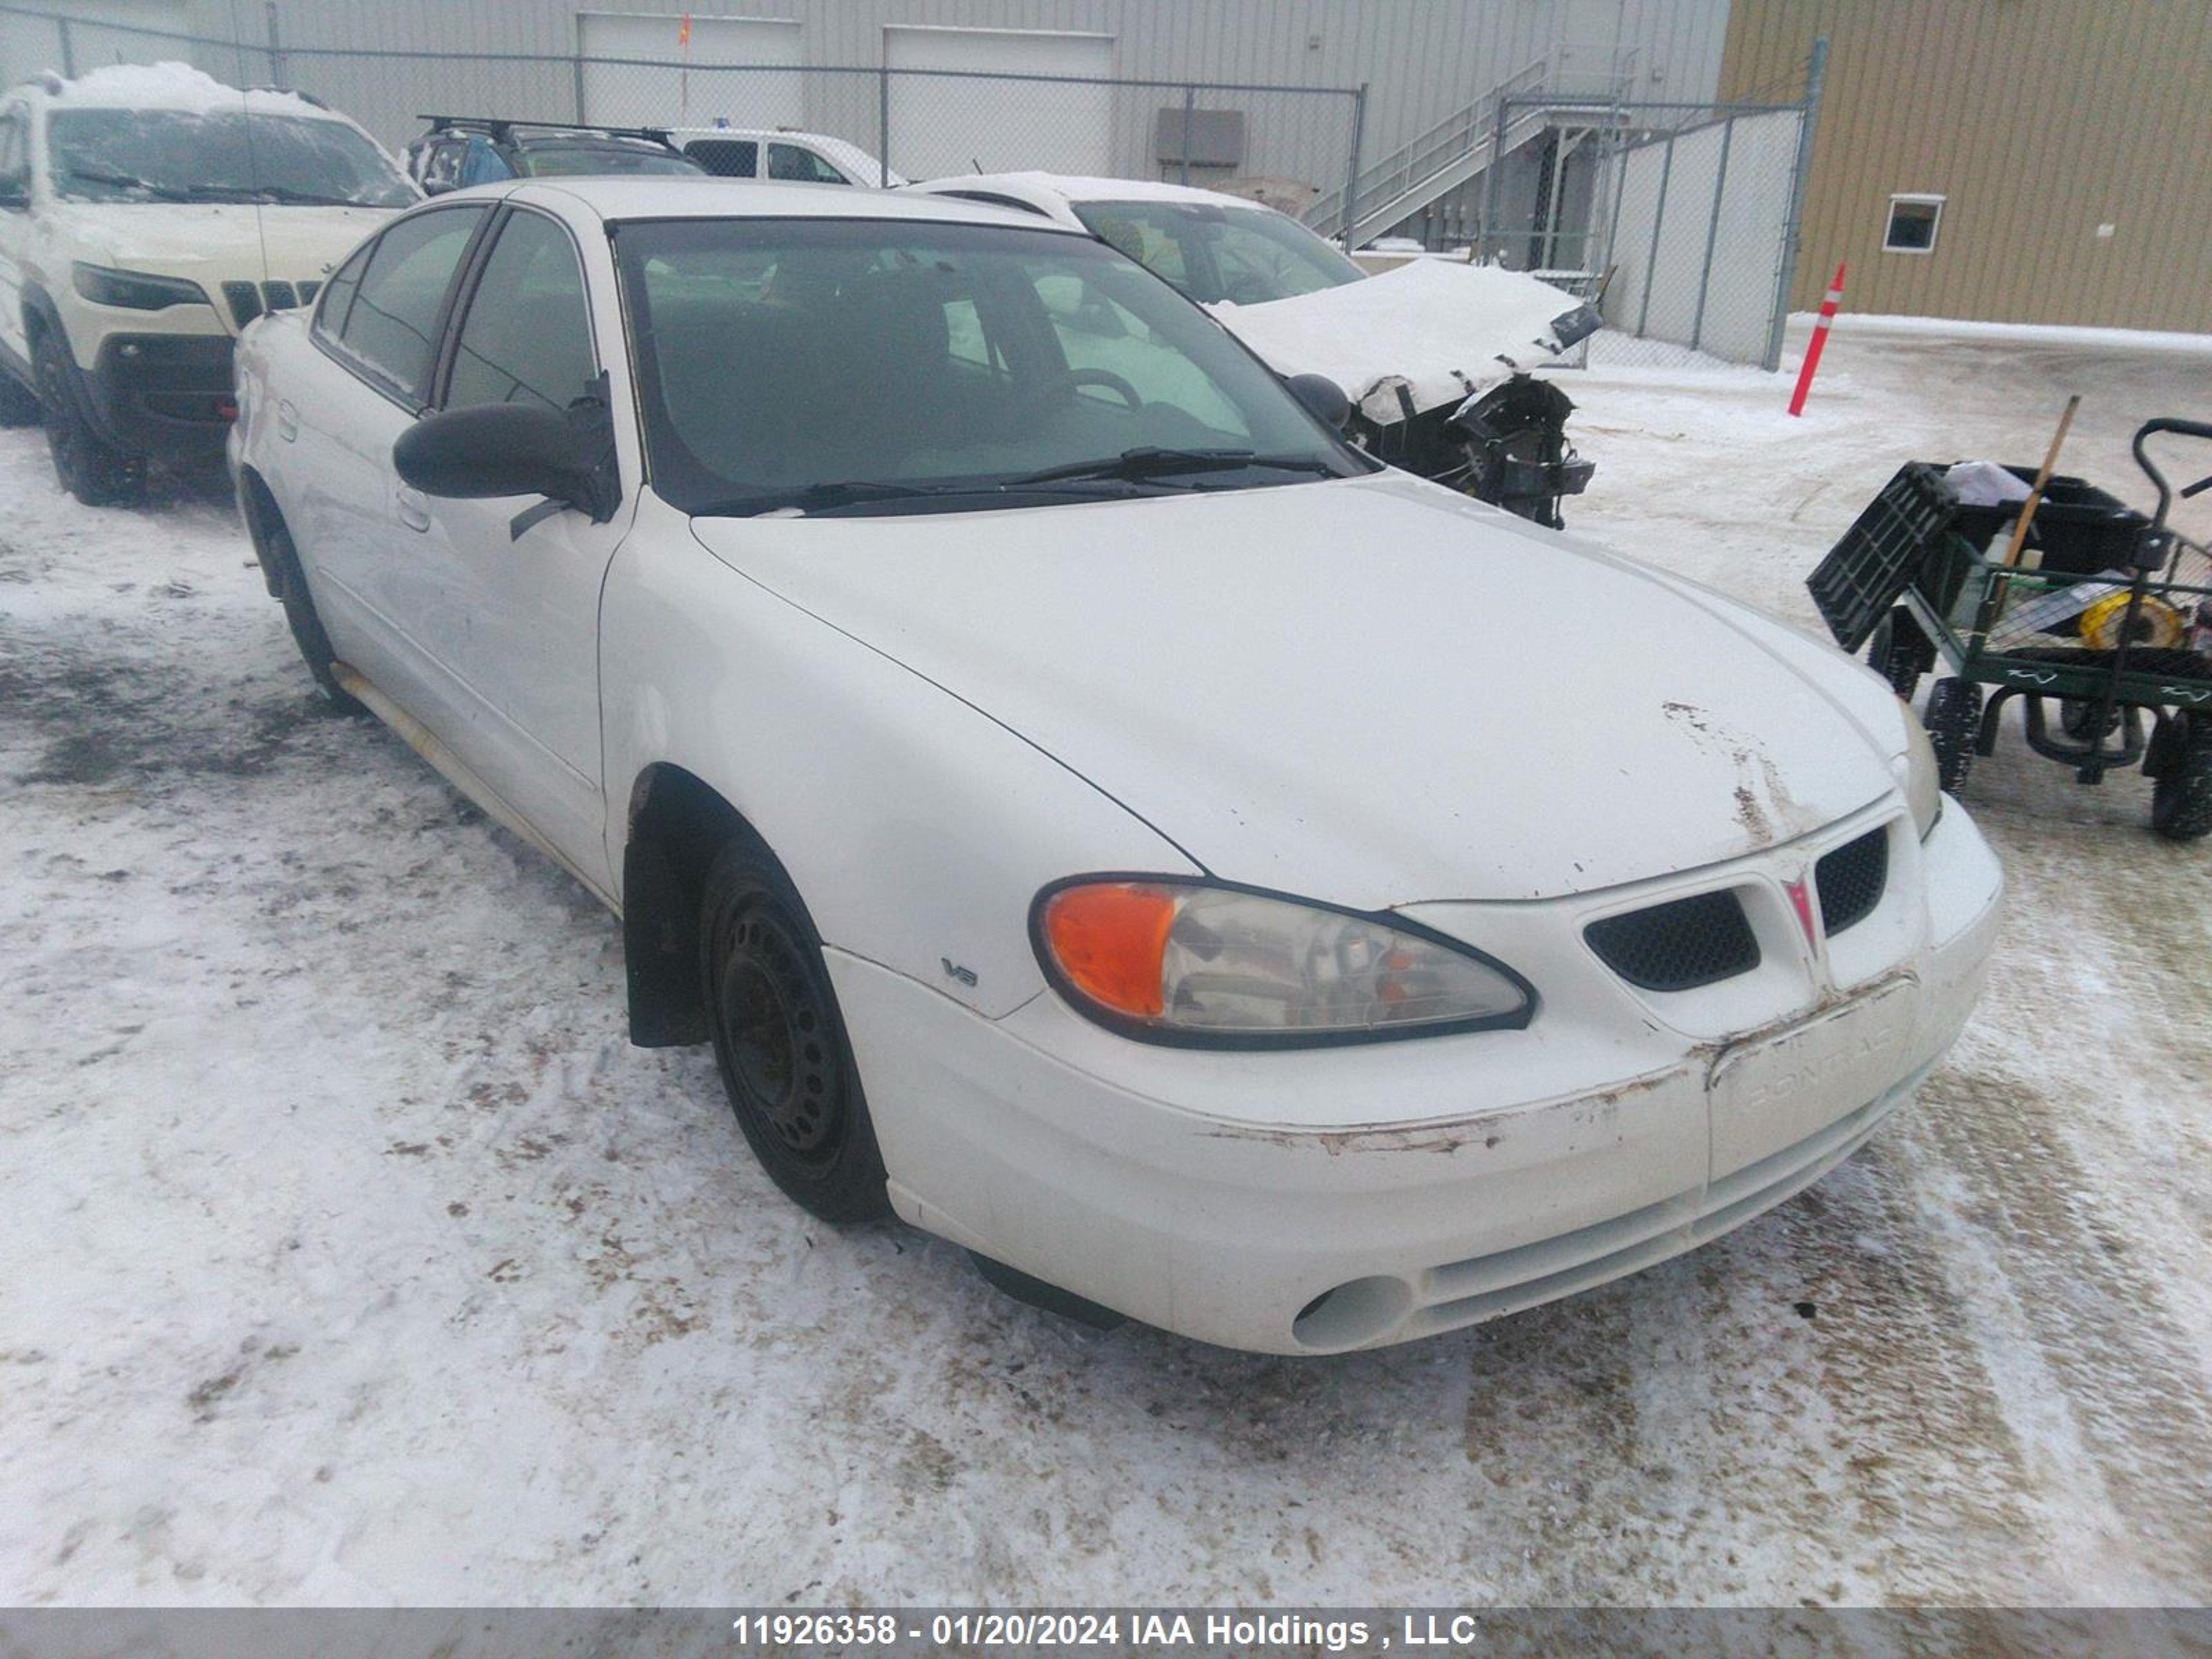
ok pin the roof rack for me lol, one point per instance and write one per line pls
(501, 128)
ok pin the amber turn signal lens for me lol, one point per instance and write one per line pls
(1110, 939)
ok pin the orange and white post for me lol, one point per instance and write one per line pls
(1819, 340)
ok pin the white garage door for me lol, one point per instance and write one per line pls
(944, 125)
(621, 95)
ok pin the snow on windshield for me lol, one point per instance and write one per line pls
(221, 153)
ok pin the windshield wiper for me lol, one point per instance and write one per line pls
(291, 197)
(127, 181)
(1156, 463)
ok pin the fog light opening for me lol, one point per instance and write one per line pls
(1352, 1313)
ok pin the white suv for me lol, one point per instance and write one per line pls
(142, 226)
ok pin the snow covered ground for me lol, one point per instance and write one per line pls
(352, 1255)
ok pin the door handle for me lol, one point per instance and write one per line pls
(287, 420)
(414, 511)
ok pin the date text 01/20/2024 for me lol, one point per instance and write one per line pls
(1083, 1630)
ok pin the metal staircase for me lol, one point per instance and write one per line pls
(1455, 150)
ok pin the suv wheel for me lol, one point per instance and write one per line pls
(86, 465)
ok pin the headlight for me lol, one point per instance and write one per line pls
(1184, 962)
(134, 289)
(1919, 776)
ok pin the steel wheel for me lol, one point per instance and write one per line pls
(780, 1041)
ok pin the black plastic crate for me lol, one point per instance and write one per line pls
(2079, 529)
(1867, 570)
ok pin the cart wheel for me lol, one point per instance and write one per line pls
(1901, 653)
(1952, 717)
(2180, 759)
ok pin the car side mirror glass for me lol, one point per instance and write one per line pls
(1323, 397)
(515, 449)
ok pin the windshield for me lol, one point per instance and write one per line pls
(1244, 255)
(843, 365)
(588, 160)
(219, 155)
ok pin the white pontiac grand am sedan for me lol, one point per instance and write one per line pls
(1093, 811)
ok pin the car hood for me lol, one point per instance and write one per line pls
(1437, 329)
(1369, 691)
(215, 242)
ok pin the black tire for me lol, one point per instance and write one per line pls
(273, 544)
(1953, 717)
(1900, 652)
(86, 465)
(19, 404)
(2180, 762)
(779, 1039)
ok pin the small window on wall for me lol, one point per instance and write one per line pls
(1913, 221)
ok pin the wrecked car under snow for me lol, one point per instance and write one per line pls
(1434, 355)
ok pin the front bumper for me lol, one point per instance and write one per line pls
(1327, 1199)
(168, 395)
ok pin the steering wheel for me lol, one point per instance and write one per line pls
(1025, 405)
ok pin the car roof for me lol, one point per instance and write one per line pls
(752, 132)
(579, 138)
(635, 196)
(1079, 187)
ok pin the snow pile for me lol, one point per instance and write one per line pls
(1447, 330)
(174, 86)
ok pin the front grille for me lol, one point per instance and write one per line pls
(247, 301)
(1678, 945)
(1850, 881)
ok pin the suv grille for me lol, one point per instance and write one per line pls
(1678, 945)
(247, 301)
(1851, 879)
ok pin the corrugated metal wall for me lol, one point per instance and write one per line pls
(2038, 120)
(1422, 58)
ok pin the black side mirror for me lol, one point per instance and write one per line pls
(515, 449)
(1323, 399)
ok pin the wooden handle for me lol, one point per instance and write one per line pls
(2042, 483)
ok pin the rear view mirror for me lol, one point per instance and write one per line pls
(514, 449)
(1323, 399)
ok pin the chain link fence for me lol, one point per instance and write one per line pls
(1678, 220)
(1283, 145)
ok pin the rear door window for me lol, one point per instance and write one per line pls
(390, 329)
(726, 158)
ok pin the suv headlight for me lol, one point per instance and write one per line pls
(134, 290)
(1175, 961)
(1919, 776)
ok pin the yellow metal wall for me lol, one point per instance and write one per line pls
(2038, 121)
